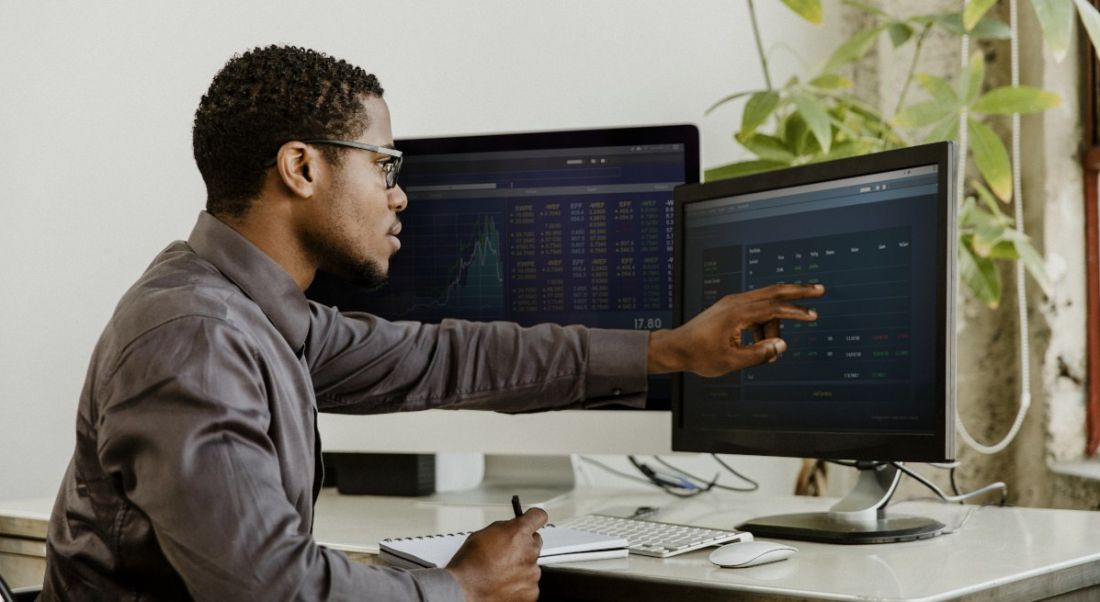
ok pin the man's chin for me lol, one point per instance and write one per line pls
(367, 274)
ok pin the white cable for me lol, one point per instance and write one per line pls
(996, 486)
(1021, 292)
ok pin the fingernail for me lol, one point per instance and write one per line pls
(780, 346)
(813, 314)
(819, 287)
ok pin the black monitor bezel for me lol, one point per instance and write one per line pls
(687, 134)
(924, 447)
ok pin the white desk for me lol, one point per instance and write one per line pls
(1000, 553)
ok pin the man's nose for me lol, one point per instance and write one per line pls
(398, 199)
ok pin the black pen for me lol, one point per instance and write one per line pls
(515, 506)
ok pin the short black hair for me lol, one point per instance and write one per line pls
(264, 98)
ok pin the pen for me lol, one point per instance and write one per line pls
(515, 506)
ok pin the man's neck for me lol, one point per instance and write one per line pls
(276, 238)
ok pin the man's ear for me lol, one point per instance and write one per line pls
(298, 166)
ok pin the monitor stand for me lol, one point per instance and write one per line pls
(859, 518)
(535, 479)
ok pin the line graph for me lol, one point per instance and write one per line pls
(458, 272)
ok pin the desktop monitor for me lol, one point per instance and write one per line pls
(872, 380)
(573, 227)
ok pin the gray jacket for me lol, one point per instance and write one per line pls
(197, 459)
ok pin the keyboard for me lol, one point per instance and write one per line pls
(651, 538)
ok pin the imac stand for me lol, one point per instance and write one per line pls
(858, 518)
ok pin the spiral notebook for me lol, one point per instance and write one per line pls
(559, 544)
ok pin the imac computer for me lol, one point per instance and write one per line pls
(572, 227)
(873, 379)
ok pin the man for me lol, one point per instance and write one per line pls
(196, 463)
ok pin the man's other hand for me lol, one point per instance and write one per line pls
(710, 343)
(499, 562)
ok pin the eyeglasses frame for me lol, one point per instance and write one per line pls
(391, 173)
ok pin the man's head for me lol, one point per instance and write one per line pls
(249, 139)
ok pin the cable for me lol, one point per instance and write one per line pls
(675, 484)
(969, 512)
(1021, 289)
(638, 479)
(951, 467)
(999, 485)
(614, 471)
(954, 485)
(753, 484)
(965, 519)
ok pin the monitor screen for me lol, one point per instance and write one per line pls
(868, 379)
(572, 227)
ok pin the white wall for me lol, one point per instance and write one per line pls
(97, 99)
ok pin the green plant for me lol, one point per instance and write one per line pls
(819, 119)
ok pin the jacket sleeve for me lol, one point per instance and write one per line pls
(183, 430)
(363, 364)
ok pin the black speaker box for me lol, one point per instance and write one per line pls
(381, 474)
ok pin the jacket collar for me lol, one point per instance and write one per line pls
(263, 280)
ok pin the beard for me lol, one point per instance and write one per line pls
(365, 274)
(336, 260)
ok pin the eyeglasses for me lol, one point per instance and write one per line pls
(390, 167)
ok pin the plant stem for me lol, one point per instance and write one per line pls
(912, 68)
(759, 46)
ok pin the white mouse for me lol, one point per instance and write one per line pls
(751, 553)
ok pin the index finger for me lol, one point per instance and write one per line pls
(533, 520)
(787, 292)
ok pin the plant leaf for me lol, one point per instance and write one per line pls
(766, 147)
(816, 116)
(1007, 100)
(807, 9)
(972, 77)
(853, 49)
(991, 158)
(867, 8)
(852, 148)
(795, 132)
(1034, 263)
(726, 99)
(988, 243)
(923, 114)
(831, 81)
(938, 88)
(758, 109)
(974, 11)
(1090, 18)
(980, 275)
(948, 129)
(991, 202)
(741, 168)
(900, 33)
(1056, 20)
(1009, 244)
(988, 28)
(991, 28)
